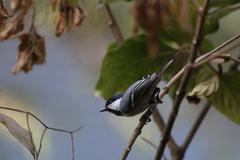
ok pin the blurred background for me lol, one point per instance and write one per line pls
(62, 94)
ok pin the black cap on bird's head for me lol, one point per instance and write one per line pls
(112, 105)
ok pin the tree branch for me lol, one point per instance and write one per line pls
(195, 126)
(192, 132)
(157, 117)
(113, 24)
(184, 82)
(137, 131)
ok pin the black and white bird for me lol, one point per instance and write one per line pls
(137, 97)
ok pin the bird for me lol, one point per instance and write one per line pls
(138, 97)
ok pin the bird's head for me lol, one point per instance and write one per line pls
(113, 105)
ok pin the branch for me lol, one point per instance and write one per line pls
(236, 63)
(184, 82)
(223, 48)
(153, 145)
(46, 127)
(113, 24)
(172, 145)
(195, 127)
(137, 131)
(149, 142)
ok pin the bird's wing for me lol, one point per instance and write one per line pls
(142, 87)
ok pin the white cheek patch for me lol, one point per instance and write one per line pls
(115, 105)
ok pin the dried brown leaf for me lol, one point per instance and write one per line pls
(3, 15)
(12, 29)
(3, 10)
(17, 131)
(31, 52)
(152, 16)
(67, 17)
(180, 10)
(15, 24)
(79, 16)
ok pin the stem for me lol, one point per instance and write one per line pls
(236, 63)
(149, 142)
(72, 143)
(184, 82)
(113, 24)
(192, 133)
(41, 140)
(195, 127)
(31, 137)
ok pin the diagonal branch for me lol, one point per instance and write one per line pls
(186, 77)
(195, 127)
(113, 24)
(137, 131)
(157, 117)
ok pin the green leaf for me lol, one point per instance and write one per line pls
(227, 98)
(213, 18)
(127, 63)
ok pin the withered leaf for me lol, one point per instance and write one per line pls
(12, 29)
(3, 15)
(31, 52)
(203, 90)
(3, 10)
(15, 24)
(17, 131)
(67, 17)
(152, 16)
(78, 16)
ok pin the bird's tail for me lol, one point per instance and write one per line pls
(163, 69)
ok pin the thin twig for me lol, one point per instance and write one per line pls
(149, 142)
(236, 60)
(36, 154)
(72, 143)
(157, 117)
(153, 145)
(184, 82)
(235, 65)
(113, 24)
(32, 26)
(41, 140)
(194, 128)
(31, 137)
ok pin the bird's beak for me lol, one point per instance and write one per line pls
(103, 110)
